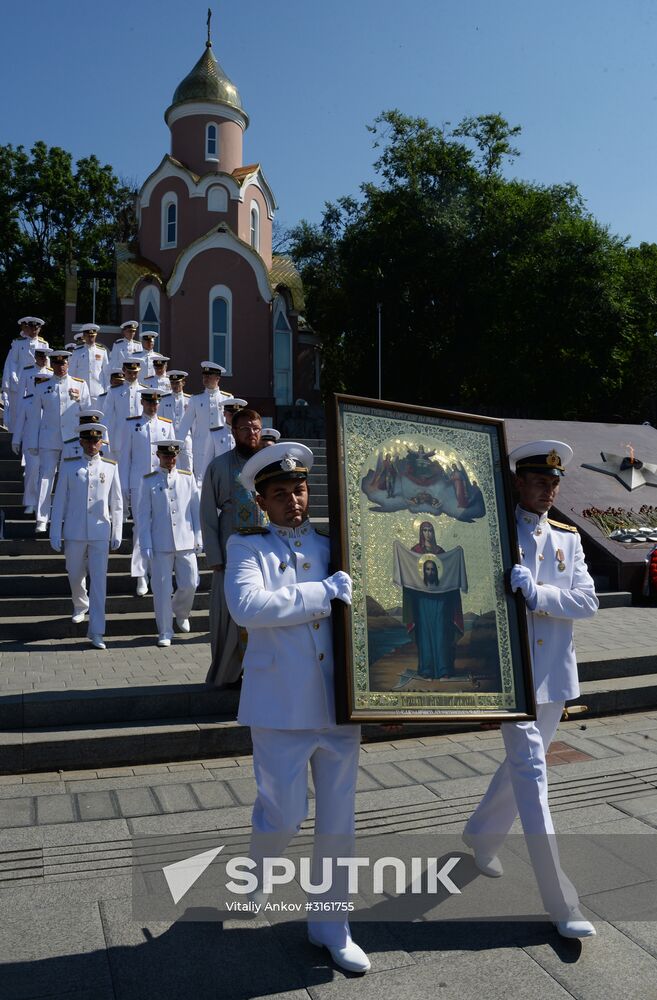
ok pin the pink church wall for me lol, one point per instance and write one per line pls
(254, 193)
(188, 144)
(194, 221)
(251, 343)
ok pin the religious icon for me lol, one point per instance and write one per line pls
(422, 518)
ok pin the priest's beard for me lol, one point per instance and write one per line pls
(245, 451)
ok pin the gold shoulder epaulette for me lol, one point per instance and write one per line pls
(166, 420)
(252, 531)
(184, 472)
(41, 340)
(187, 395)
(29, 368)
(563, 527)
(29, 396)
(76, 379)
(148, 474)
(322, 529)
(136, 417)
(72, 458)
(110, 461)
(68, 440)
(102, 346)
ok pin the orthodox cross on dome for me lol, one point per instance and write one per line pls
(209, 41)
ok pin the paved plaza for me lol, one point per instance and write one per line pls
(65, 884)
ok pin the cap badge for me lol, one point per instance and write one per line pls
(553, 459)
(288, 464)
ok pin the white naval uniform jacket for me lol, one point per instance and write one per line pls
(139, 448)
(274, 588)
(160, 382)
(169, 516)
(563, 595)
(122, 349)
(204, 411)
(119, 403)
(87, 504)
(55, 416)
(21, 353)
(92, 365)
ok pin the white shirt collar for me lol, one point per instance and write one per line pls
(528, 517)
(282, 532)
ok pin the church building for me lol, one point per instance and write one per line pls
(203, 275)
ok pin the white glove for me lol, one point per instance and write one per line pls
(115, 544)
(339, 585)
(521, 579)
(16, 448)
(56, 543)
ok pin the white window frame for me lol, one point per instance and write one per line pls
(220, 193)
(254, 209)
(222, 292)
(149, 294)
(212, 157)
(170, 198)
(280, 309)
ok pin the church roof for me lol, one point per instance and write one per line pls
(283, 272)
(207, 82)
(129, 269)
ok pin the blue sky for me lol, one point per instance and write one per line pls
(580, 76)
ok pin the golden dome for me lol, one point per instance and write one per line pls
(207, 82)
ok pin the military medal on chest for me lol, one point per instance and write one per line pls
(560, 561)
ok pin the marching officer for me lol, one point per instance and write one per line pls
(26, 377)
(90, 362)
(87, 516)
(554, 580)
(21, 353)
(30, 455)
(52, 420)
(173, 406)
(279, 587)
(122, 401)
(73, 447)
(138, 457)
(170, 536)
(147, 353)
(126, 345)
(160, 379)
(220, 439)
(204, 413)
(269, 436)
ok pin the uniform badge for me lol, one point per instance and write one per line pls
(102, 477)
(282, 567)
(560, 564)
(553, 459)
(288, 463)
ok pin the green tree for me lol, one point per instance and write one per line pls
(497, 295)
(53, 212)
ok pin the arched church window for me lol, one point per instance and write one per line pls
(282, 355)
(255, 225)
(221, 308)
(149, 309)
(169, 220)
(211, 142)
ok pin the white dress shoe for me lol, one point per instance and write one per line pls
(29, 510)
(97, 642)
(183, 624)
(576, 927)
(488, 864)
(351, 957)
(142, 586)
(78, 617)
(41, 527)
(163, 640)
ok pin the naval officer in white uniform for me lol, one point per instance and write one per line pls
(87, 515)
(126, 345)
(558, 590)
(90, 362)
(204, 414)
(170, 537)
(278, 586)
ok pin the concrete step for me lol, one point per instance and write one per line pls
(23, 527)
(619, 694)
(39, 584)
(152, 742)
(53, 563)
(126, 602)
(24, 628)
(615, 599)
(81, 708)
(632, 666)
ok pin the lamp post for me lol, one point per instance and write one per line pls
(378, 309)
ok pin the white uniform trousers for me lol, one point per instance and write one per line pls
(167, 603)
(30, 480)
(82, 558)
(139, 564)
(519, 786)
(11, 408)
(48, 462)
(280, 762)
